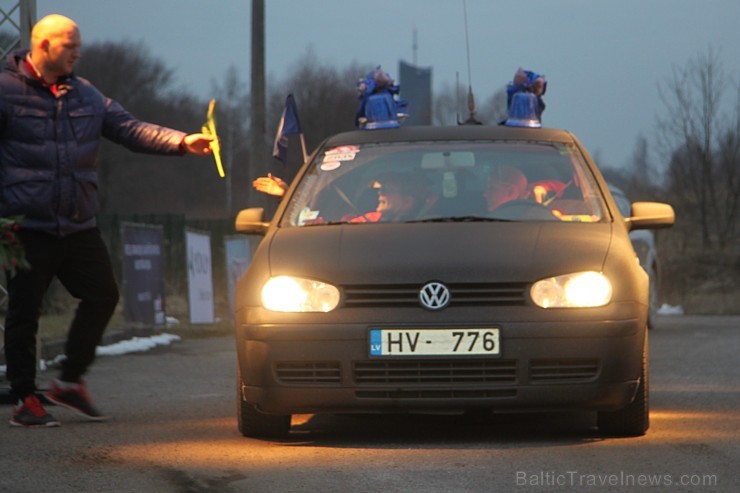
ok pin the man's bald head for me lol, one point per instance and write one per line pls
(55, 46)
(52, 25)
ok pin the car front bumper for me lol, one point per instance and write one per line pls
(292, 368)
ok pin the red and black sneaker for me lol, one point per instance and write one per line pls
(74, 396)
(30, 413)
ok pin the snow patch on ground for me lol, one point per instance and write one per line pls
(134, 345)
(667, 309)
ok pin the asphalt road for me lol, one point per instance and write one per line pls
(173, 429)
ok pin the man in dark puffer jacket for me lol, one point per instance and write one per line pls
(51, 123)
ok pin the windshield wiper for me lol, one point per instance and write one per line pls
(460, 219)
(445, 219)
(327, 223)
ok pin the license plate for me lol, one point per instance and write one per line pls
(434, 342)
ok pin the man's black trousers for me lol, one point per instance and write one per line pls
(81, 263)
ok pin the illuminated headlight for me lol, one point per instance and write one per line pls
(294, 294)
(580, 290)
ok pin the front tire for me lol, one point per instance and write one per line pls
(633, 420)
(253, 422)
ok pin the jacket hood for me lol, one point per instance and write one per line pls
(12, 63)
(13, 59)
(454, 252)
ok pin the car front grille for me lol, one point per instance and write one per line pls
(435, 372)
(563, 370)
(308, 373)
(461, 294)
(404, 375)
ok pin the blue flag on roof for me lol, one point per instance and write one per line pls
(289, 125)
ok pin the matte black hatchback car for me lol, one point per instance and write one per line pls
(393, 278)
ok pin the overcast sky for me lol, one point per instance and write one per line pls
(603, 59)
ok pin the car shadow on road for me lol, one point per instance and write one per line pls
(470, 430)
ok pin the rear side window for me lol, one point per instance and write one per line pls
(445, 181)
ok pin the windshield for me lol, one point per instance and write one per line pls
(445, 181)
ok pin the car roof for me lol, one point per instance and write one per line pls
(459, 132)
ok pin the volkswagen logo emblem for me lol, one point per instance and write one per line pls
(434, 296)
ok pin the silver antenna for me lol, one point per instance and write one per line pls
(471, 100)
(467, 42)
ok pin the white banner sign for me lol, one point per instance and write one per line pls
(200, 278)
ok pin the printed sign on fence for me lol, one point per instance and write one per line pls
(143, 277)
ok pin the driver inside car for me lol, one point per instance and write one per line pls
(401, 196)
(505, 184)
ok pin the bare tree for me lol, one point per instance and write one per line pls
(326, 99)
(729, 167)
(8, 43)
(127, 70)
(700, 140)
(641, 179)
(140, 183)
(446, 106)
(493, 109)
(451, 106)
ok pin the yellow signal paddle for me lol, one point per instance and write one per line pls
(209, 128)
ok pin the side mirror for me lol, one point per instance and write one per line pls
(250, 221)
(651, 215)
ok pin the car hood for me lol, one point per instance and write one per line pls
(447, 252)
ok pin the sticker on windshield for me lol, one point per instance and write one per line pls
(307, 215)
(341, 153)
(330, 165)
